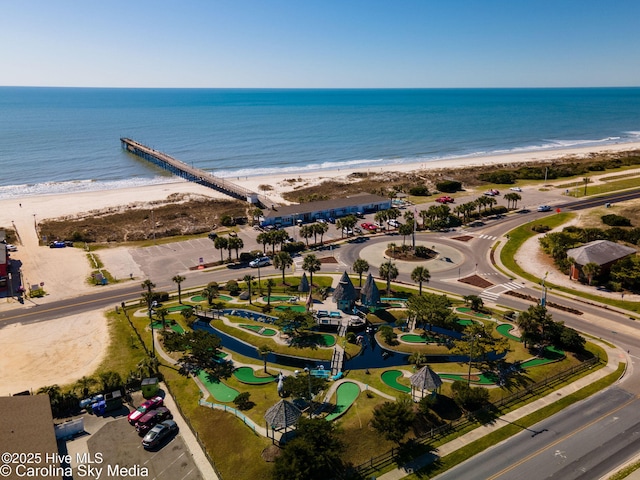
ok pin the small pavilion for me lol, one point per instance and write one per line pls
(280, 417)
(424, 379)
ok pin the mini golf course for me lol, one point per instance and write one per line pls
(248, 375)
(259, 329)
(346, 394)
(390, 378)
(504, 330)
(278, 298)
(480, 379)
(325, 339)
(200, 298)
(219, 391)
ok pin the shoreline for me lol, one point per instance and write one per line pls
(84, 201)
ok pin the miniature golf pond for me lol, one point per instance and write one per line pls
(346, 394)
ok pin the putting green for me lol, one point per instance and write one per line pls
(414, 338)
(551, 354)
(200, 298)
(327, 340)
(177, 308)
(465, 323)
(219, 391)
(267, 332)
(468, 311)
(346, 394)
(504, 330)
(248, 375)
(277, 298)
(390, 378)
(294, 308)
(482, 379)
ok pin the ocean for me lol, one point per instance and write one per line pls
(58, 140)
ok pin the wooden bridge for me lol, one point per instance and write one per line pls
(192, 174)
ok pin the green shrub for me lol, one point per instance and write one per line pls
(449, 186)
(502, 177)
(614, 220)
(233, 287)
(419, 191)
(541, 228)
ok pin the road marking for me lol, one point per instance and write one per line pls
(562, 439)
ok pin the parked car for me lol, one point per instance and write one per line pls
(378, 225)
(57, 244)
(544, 208)
(359, 214)
(152, 418)
(369, 226)
(321, 220)
(492, 193)
(445, 199)
(150, 404)
(357, 230)
(516, 189)
(159, 433)
(393, 223)
(331, 220)
(11, 248)
(212, 235)
(260, 262)
(347, 231)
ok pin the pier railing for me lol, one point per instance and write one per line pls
(187, 172)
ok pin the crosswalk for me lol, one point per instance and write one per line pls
(486, 237)
(492, 293)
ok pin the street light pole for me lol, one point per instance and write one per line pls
(309, 381)
(473, 340)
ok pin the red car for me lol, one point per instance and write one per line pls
(151, 418)
(369, 226)
(150, 404)
(444, 199)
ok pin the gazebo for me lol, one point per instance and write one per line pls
(345, 293)
(370, 295)
(424, 379)
(281, 416)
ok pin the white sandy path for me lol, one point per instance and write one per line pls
(53, 352)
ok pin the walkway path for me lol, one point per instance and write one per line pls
(615, 355)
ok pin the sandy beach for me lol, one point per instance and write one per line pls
(29, 348)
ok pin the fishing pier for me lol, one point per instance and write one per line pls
(192, 174)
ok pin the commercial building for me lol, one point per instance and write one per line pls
(325, 209)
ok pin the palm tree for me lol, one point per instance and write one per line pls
(388, 271)
(264, 351)
(178, 279)
(282, 261)
(306, 232)
(404, 230)
(221, 243)
(320, 228)
(270, 284)
(85, 384)
(256, 213)
(248, 279)
(264, 239)
(591, 270)
(512, 197)
(420, 274)
(235, 243)
(162, 315)
(360, 266)
(381, 217)
(311, 264)
(210, 292)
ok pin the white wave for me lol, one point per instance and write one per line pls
(77, 186)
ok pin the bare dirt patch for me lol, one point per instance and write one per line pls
(476, 281)
(463, 238)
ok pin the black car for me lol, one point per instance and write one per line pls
(159, 433)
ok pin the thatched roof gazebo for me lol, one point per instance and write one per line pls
(424, 379)
(281, 416)
(369, 294)
(345, 293)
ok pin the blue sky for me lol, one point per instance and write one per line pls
(320, 43)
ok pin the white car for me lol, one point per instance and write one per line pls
(11, 248)
(321, 220)
(516, 189)
(260, 262)
(544, 208)
(393, 223)
(347, 231)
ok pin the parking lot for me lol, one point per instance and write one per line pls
(120, 445)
